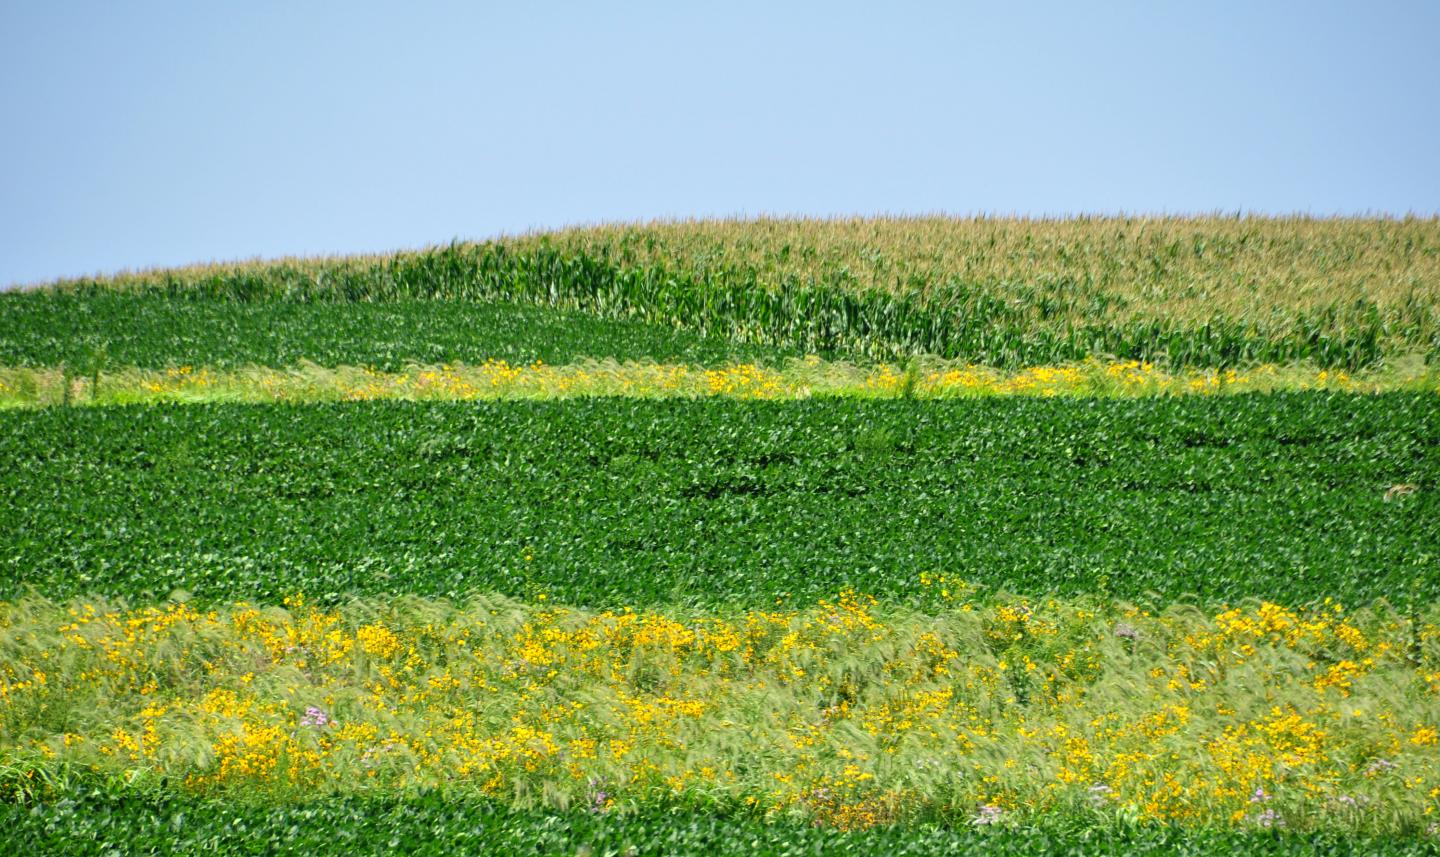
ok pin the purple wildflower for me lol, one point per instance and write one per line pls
(1269, 818)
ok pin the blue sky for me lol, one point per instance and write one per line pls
(139, 134)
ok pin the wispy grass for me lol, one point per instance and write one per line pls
(981, 709)
(795, 379)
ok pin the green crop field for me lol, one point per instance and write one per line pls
(429, 824)
(615, 501)
(109, 330)
(778, 537)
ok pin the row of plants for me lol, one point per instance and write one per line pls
(716, 501)
(1100, 268)
(101, 819)
(106, 331)
(998, 324)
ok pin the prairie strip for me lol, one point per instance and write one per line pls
(977, 710)
(794, 379)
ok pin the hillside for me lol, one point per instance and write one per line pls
(775, 537)
(1198, 292)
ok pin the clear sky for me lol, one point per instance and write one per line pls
(141, 133)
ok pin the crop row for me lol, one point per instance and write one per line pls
(103, 331)
(427, 823)
(623, 501)
(1001, 324)
(1099, 267)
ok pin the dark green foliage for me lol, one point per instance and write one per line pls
(826, 317)
(48, 329)
(633, 502)
(110, 823)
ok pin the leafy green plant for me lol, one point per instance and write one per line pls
(94, 821)
(621, 501)
(41, 329)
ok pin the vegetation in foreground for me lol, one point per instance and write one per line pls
(1205, 292)
(849, 714)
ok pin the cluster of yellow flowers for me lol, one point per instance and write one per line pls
(747, 381)
(180, 377)
(1128, 377)
(497, 378)
(850, 712)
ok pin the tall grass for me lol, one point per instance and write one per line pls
(24, 387)
(851, 713)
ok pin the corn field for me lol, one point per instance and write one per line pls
(1200, 292)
